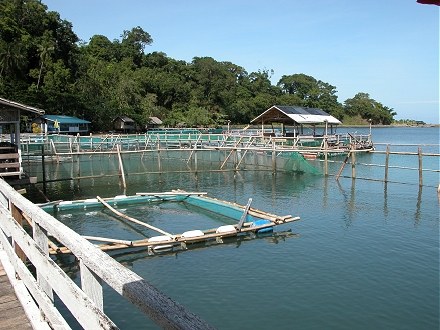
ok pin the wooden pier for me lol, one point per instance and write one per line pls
(36, 290)
(12, 314)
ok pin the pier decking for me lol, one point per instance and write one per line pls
(12, 315)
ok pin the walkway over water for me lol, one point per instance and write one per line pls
(12, 315)
(38, 289)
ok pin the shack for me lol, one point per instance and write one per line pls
(10, 153)
(124, 124)
(153, 122)
(296, 120)
(53, 124)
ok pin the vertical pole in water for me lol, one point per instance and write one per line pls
(43, 167)
(274, 160)
(158, 156)
(353, 164)
(325, 156)
(121, 167)
(387, 161)
(326, 149)
(420, 167)
(195, 156)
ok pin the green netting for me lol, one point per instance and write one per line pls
(295, 162)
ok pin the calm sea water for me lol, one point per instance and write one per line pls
(365, 255)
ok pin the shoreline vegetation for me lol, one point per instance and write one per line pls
(44, 64)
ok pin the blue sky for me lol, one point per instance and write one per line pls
(387, 48)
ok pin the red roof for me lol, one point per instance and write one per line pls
(429, 2)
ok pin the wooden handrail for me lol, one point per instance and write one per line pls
(95, 266)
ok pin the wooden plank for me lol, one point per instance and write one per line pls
(10, 156)
(81, 307)
(10, 165)
(28, 284)
(12, 313)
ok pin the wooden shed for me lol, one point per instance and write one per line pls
(10, 153)
(124, 124)
(154, 122)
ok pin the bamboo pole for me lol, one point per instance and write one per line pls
(121, 167)
(387, 159)
(184, 193)
(122, 215)
(55, 151)
(343, 165)
(420, 167)
(109, 240)
(326, 154)
(353, 165)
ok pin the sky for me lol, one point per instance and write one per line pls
(386, 48)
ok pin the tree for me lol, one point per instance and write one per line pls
(369, 109)
(46, 49)
(312, 93)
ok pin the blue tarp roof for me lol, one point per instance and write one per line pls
(65, 119)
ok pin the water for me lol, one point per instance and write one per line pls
(364, 255)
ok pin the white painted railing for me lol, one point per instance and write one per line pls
(85, 303)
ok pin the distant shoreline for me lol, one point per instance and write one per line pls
(392, 125)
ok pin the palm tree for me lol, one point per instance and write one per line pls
(45, 50)
(11, 57)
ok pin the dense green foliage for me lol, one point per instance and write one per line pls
(43, 64)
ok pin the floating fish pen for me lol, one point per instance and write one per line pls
(244, 220)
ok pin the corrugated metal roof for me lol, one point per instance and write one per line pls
(65, 119)
(125, 119)
(155, 120)
(300, 115)
(21, 106)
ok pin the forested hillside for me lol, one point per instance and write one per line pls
(44, 64)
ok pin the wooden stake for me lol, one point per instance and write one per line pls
(121, 167)
(420, 167)
(343, 165)
(245, 213)
(353, 165)
(387, 160)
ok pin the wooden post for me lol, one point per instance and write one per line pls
(40, 238)
(121, 167)
(274, 160)
(244, 215)
(43, 165)
(343, 165)
(387, 161)
(16, 214)
(420, 167)
(353, 165)
(326, 154)
(91, 285)
(55, 151)
(158, 159)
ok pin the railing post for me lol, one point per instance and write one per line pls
(91, 285)
(40, 238)
(16, 214)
